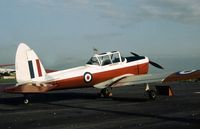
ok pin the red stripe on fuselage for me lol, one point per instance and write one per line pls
(78, 82)
(39, 68)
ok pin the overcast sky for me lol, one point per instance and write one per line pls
(64, 32)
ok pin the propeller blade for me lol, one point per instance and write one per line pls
(156, 65)
(151, 62)
(134, 54)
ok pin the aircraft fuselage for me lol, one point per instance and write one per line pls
(89, 75)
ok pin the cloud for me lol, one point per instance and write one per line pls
(103, 36)
(184, 11)
(127, 12)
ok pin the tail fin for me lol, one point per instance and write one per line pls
(28, 66)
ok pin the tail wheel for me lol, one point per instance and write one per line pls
(26, 98)
(26, 101)
(151, 94)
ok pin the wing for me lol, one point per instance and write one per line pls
(111, 82)
(128, 79)
(182, 75)
(5, 65)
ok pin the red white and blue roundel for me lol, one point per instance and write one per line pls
(87, 77)
(186, 72)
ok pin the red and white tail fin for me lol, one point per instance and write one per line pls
(28, 66)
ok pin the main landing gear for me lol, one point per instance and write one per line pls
(150, 93)
(105, 93)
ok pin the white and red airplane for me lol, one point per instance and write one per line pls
(102, 71)
(4, 71)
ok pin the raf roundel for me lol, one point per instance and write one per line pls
(87, 77)
(186, 72)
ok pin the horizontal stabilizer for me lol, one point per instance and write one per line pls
(29, 88)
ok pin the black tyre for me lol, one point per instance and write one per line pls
(26, 101)
(105, 93)
(152, 94)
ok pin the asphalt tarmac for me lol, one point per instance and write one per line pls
(82, 109)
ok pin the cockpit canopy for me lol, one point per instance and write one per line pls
(106, 58)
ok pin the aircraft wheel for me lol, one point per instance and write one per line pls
(26, 101)
(26, 98)
(151, 94)
(105, 93)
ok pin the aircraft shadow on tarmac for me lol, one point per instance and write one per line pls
(53, 97)
(135, 114)
(50, 98)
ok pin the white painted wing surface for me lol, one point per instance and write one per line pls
(129, 79)
(141, 79)
(111, 82)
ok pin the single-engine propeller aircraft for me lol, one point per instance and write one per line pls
(103, 71)
(4, 71)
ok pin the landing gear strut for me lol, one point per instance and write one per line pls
(105, 93)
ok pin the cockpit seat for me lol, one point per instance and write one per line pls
(106, 62)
